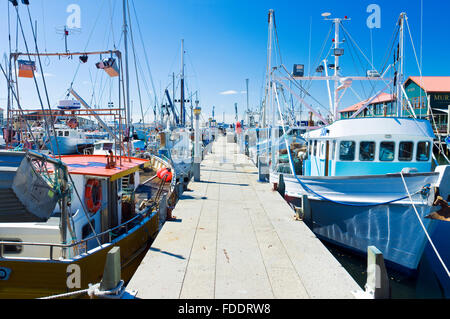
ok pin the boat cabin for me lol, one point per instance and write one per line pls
(102, 197)
(368, 146)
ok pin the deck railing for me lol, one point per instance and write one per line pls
(64, 247)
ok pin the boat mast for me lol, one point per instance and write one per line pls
(127, 80)
(269, 68)
(336, 21)
(248, 107)
(399, 79)
(182, 113)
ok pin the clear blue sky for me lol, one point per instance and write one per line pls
(225, 42)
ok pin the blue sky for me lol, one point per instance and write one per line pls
(225, 43)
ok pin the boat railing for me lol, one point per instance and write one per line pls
(80, 243)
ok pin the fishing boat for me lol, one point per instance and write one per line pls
(61, 215)
(361, 181)
(67, 140)
(64, 215)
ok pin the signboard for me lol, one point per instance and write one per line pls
(440, 100)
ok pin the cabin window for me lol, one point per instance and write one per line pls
(405, 151)
(11, 248)
(347, 151)
(66, 133)
(60, 133)
(367, 151)
(423, 151)
(315, 148)
(387, 151)
(87, 230)
(107, 146)
(322, 149)
(98, 146)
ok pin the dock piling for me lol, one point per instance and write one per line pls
(112, 272)
(377, 285)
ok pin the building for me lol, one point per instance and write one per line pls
(383, 105)
(429, 97)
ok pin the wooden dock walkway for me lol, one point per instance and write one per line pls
(236, 238)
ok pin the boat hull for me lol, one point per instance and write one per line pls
(66, 145)
(35, 278)
(393, 227)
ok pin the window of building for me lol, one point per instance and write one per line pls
(423, 151)
(405, 151)
(387, 151)
(366, 151)
(347, 151)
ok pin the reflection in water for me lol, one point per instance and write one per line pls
(422, 285)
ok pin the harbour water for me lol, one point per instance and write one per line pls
(422, 285)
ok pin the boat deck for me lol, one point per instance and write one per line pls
(234, 237)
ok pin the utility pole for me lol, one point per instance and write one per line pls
(197, 149)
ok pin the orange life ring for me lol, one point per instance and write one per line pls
(93, 195)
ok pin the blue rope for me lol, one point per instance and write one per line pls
(309, 190)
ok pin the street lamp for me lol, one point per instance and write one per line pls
(197, 150)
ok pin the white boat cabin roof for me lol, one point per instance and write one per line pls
(380, 126)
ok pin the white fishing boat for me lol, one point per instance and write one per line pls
(361, 181)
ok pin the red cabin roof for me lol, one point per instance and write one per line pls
(95, 165)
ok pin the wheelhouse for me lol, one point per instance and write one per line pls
(369, 147)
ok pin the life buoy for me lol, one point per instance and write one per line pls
(167, 174)
(93, 195)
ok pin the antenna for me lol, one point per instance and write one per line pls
(66, 31)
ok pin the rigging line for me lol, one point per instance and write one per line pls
(111, 19)
(321, 51)
(421, 83)
(189, 58)
(424, 228)
(351, 45)
(11, 88)
(145, 53)
(135, 65)
(309, 46)
(276, 39)
(88, 40)
(354, 64)
(356, 45)
(325, 59)
(354, 42)
(301, 88)
(8, 80)
(34, 77)
(387, 54)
